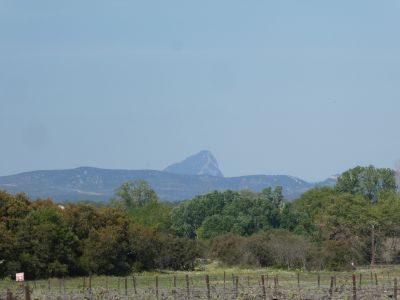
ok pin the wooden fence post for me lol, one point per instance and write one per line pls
(174, 286)
(376, 279)
(134, 283)
(237, 286)
(187, 286)
(298, 280)
(208, 287)
(49, 284)
(224, 280)
(319, 280)
(354, 287)
(27, 292)
(395, 289)
(331, 288)
(9, 294)
(263, 286)
(360, 282)
(90, 284)
(126, 286)
(157, 287)
(372, 280)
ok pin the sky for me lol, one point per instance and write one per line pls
(305, 88)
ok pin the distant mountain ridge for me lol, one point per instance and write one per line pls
(202, 163)
(87, 183)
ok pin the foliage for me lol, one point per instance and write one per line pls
(218, 213)
(154, 214)
(367, 181)
(133, 194)
(355, 221)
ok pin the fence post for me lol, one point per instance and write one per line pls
(9, 294)
(90, 284)
(126, 286)
(49, 284)
(319, 280)
(331, 288)
(248, 281)
(237, 286)
(174, 285)
(208, 287)
(224, 280)
(134, 283)
(360, 282)
(27, 292)
(298, 280)
(372, 280)
(395, 289)
(263, 286)
(187, 286)
(354, 287)
(376, 279)
(157, 287)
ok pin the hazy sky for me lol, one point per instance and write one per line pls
(306, 88)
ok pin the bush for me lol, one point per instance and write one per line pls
(232, 250)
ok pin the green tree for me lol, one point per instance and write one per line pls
(154, 214)
(367, 181)
(133, 194)
(13, 209)
(107, 252)
(9, 263)
(45, 243)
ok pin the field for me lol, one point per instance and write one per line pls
(214, 283)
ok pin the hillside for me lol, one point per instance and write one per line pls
(99, 184)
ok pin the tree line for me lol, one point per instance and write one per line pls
(355, 222)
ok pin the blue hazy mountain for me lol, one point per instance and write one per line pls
(202, 163)
(87, 183)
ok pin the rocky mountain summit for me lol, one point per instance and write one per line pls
(202, 163)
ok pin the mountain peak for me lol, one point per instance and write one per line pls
(202, 163)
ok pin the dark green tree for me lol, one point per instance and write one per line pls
(45, 243)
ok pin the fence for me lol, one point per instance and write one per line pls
(215, 286)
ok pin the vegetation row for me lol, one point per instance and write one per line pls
(356, 222)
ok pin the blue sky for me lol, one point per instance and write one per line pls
(306, 88)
